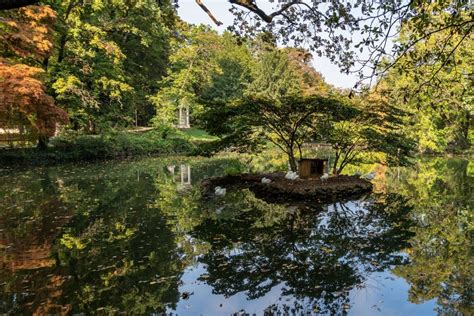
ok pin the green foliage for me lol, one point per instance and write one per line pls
(196, 135)
(120, 144)
(233, 170)
(77, 147)
(204, 65)
(110, 55)
(284, 94)
(292, 105)
(374, 126)
(285, 72)
(438, 95)
(275, 76)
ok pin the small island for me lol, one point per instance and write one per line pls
(281, 189)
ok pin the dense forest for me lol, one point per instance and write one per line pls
(74, 68)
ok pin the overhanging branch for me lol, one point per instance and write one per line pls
(209, 13)
(15, 4)
(253, 7)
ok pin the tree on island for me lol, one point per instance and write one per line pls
(376, 128)
(287, 103)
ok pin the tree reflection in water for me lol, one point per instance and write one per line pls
(441, 253)
(91, 238)
(120, 237)
(115, 254)
(319, 253)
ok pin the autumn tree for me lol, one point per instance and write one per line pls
(25, 37)
(24, 101)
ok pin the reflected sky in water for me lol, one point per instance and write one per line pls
(138, 237)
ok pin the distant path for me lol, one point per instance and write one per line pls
(140, 129)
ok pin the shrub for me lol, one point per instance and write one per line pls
(75, 147)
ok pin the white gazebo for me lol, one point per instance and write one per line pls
(185, 174)
(183, 117)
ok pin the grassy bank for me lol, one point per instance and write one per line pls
(114, 145)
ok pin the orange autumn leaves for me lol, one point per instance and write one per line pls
(23, 99)
(28, 32)
(26, 35)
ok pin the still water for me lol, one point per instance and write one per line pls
(136, 237)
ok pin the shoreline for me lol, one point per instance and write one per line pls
(281, 189)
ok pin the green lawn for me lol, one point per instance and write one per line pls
(198, 135)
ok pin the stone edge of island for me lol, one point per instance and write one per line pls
(337, 188)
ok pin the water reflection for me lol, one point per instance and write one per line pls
(440, 193)
(125, 236)
(319, 252)
(115, 254)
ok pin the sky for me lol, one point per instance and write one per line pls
(190, 12)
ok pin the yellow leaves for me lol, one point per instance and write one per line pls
(121, 232)
(64, 85)
(96, 41)
(115, 89)
(97, 5)
(72, 242)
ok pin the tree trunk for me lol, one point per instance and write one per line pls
(465, 124)
(62, 47)
(42, 142)
(334, 166)
(341, 167)
(300, 150)
(292, 161)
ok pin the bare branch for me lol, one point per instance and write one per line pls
(253, 7)
(209, 13)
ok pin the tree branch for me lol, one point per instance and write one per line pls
(446, 59)
(15, 4)
(253, 7)
(209, 13)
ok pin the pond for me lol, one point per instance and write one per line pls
(136, 237)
